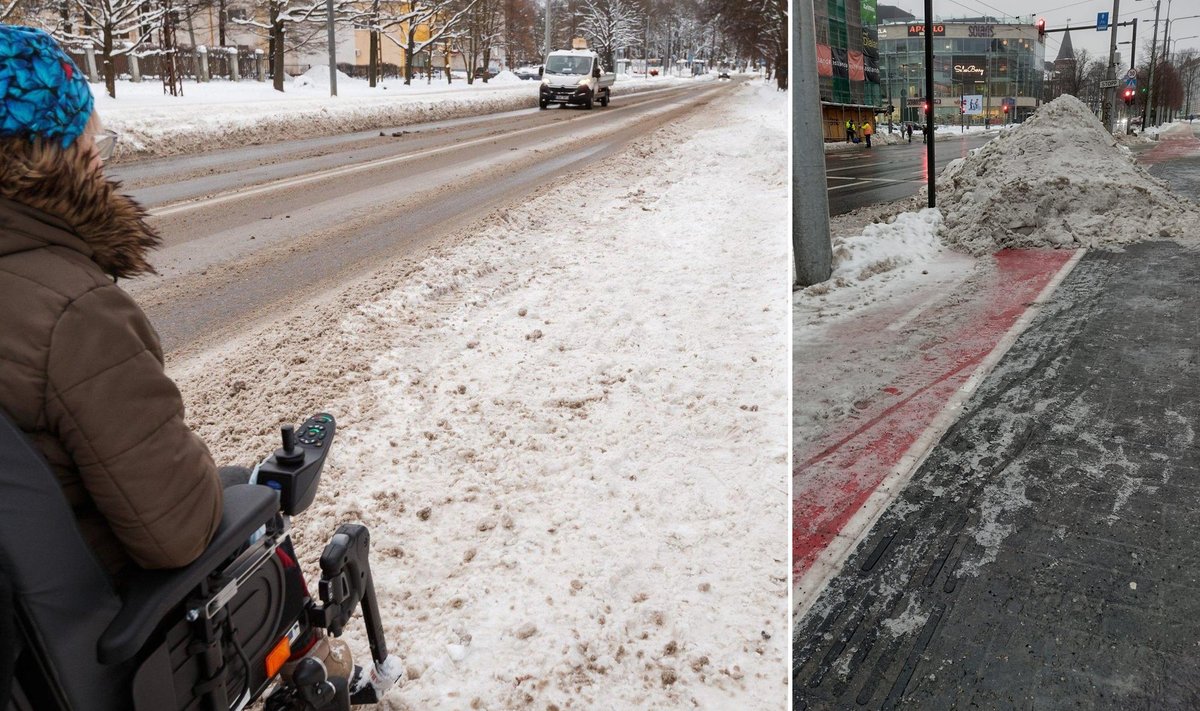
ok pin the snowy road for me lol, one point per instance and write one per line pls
(885, 173)
(249, 233)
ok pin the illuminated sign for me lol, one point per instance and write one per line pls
(919, 30)
(969, 68)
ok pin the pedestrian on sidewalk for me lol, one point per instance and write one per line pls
(868, 131)
(849, 131)
(908, 129)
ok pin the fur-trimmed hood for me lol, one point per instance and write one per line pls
(67, 194)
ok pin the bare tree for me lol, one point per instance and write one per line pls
(441, 21)
(483, 26)
(106, 21)
(611, 25)
(281, 14)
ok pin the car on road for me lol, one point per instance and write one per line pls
(532, 71)
(575, 76)
(724, 75)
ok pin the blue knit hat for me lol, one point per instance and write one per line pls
(42, 92)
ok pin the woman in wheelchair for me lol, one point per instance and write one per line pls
(124, 558)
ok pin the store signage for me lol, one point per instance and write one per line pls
(919, 30)
(981, 31)
(972, 104)
(969, 68)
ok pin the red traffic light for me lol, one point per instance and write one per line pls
(1006, 108)
(1041, 27)
(1128, 95)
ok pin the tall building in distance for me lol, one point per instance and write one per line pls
(847, 62)
(983, 63)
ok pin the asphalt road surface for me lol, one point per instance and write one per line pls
(886, 173)
(250, 234)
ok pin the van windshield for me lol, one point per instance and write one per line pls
(569, 65)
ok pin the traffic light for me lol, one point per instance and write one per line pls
(925, 107)
(1006, 108)
(1041, 25)
(1128, 95)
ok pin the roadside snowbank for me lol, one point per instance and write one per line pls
(567, 437)
(1059, 180)
(222, 114)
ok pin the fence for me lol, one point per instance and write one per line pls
(188, 63)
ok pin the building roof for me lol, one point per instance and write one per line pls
(1066, 53)
(893, 13)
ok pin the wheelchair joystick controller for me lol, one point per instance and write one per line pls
(290, 453)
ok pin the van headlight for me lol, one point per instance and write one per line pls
(584, 81)
(545, 81)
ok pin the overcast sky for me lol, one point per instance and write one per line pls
(1079, 12)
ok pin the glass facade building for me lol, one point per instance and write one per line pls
(1002, 64)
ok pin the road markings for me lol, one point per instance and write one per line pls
(861, 181)
(813, 580)
(241, 193)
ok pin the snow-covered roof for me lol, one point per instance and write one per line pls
(574, 52)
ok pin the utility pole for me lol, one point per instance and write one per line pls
(929, 167)
(546, 54)
(1109, 95)
(332, 50)
(1148, 113)
(812, 248)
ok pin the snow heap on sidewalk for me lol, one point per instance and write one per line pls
(1059, 180)
(883, 247)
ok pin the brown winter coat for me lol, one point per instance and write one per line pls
(81, 369)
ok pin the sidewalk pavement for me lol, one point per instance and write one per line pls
(1045, 554)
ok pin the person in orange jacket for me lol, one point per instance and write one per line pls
(867, 132)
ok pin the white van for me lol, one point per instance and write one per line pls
(575, 76)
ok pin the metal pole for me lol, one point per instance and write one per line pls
(811, 245)
(1133, 48)
(332, 51)
(1147, 114)
(546, 53)
(929, 98)
(1109, 95)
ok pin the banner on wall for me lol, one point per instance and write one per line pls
(968, 68)
(856, 66)
(824, 61)
(870, 41)
(871, 69)
(868, 13)
(841, 64)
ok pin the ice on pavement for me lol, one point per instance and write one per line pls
(1058, 180)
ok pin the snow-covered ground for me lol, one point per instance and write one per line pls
(224, 114)
(568, 436)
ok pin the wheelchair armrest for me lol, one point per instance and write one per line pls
(150, 594)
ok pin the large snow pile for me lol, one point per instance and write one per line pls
(1059, 180)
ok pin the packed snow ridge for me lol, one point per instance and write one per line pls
(1058, 180)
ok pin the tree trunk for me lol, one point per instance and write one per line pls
(411, 37)
(221, 22)
(110, 71)
(373, 62)
(277, 40)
